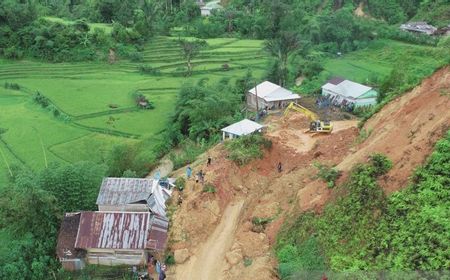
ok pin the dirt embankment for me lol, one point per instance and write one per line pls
(407, 128)
(213, 234)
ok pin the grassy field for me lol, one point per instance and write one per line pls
(378, 60)
(87, 91)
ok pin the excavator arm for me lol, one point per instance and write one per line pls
(316, 125)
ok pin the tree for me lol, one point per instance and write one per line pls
(190, 49)
(280, 48)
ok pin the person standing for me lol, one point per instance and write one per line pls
(158, 175)
(188, 172)
(162, 274)
(208, 163)
(279, 167)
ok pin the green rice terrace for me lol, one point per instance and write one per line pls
(99, 109)
(96, 100)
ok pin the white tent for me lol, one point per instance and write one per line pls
(241, 128)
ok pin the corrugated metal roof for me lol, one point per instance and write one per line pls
(122, 191)
(272, 92)
(348, 89)
(157, 237)
(65, 248)
(243, 127)
(336, 80)
(113, 230)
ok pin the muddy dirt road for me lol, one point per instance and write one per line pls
(207, 262)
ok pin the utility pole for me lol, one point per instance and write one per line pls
(256, 93)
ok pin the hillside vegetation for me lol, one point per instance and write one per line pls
(365, 230)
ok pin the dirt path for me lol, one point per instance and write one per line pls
(207, 262)
(165, 167)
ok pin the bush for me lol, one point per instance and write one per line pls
(41, 99)
(169, 259)
(180, 183)
(328, 174)
(381, 164)
(147, 69)
(12, 86)
(136, 57)
(247, 148)
(209, 188)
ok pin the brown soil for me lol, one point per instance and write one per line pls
(407, 129)
(219, 233)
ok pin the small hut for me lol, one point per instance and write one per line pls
(241, 128)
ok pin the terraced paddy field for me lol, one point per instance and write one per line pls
(382, 56)
(98, 100)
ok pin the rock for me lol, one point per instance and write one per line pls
(233, 258)
(238, 187)
(181, 255)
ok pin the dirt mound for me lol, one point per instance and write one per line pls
(407, 128)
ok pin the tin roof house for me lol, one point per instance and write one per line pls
(110, 238)
(133, 194)
(270, 95)
(241, 128)
(419, 27)
(345, 92)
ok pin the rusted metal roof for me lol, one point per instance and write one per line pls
(65, 249)
(121, 230)
(122, 191)
(158, 233)
(113, 230)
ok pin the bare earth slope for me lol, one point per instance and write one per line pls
(407, 128)
(217, 229)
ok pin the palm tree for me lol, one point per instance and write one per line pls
(281, 48)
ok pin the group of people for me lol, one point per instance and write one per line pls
(200, 176)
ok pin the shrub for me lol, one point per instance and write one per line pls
(259, 224)
(247, 148)
(12, 86)
(380, 163)
(41, 99)
(136, 57)
(327, 174)
(180, 183)
(147, 69)
(209, 188)
(247, 261)
(169, 259)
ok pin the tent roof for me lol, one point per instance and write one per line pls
(348, 89)
(272, 92)
(243, 127)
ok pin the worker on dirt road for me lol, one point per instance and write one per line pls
(279, 167)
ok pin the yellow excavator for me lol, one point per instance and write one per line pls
(316, 125)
